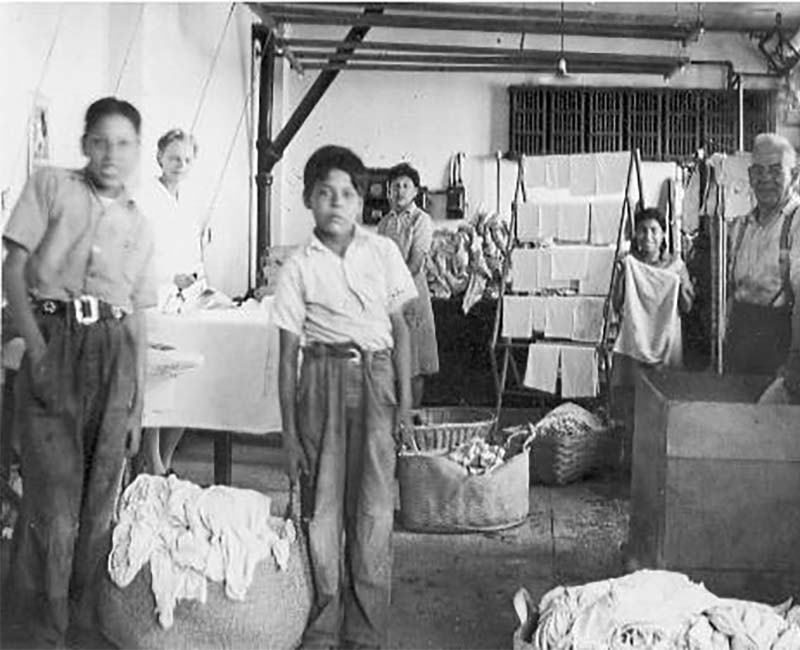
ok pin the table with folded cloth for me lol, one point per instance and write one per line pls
(234, 386)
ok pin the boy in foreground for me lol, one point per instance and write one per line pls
(342, 297)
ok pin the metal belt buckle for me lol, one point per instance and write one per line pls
(87, 310)
(354, 356)
(49, 306)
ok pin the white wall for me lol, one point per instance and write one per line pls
(166, 51)
(425, 117)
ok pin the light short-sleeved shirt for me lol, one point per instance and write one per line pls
(80, 244)
(757, 272)
(411, 230)
(326, 298)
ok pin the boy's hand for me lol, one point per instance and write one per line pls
(183, 281)
(403, 426)
(295, 458)
(134, 438)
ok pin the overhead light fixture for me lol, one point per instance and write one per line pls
(561, 65)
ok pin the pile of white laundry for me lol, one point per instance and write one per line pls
(190, 534)
(654, 610)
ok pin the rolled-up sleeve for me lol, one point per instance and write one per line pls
(289, 308)
(29, 219)
(399, 283)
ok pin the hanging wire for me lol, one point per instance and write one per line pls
(36, 91)
(128, 51)
(206, 238)
(211, 68)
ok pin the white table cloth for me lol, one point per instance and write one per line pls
(235, 388)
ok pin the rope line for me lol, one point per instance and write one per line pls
(206, 239)
(37, 89)
(128, 51)
(211, 68)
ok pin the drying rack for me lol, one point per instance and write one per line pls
(508, 377)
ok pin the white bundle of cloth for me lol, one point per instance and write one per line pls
(190, 534)
(659, 610)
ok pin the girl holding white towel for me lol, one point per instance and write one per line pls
(651, 291)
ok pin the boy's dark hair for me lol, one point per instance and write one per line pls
(404, 169)
(649, 214)
(329, 157)
(111, 106)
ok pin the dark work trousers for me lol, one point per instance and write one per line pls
(72, 416)
(758, 339)
(346, 415)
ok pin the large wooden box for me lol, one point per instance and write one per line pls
(715, 488)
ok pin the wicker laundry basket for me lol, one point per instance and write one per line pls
(438, 495)
(569, 442)
(273, 615)
(445, 428)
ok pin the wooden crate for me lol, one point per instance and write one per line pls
(715, 489)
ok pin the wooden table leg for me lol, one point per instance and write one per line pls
(223, 458)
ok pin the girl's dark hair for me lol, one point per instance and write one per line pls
(403, 169)
(649, 214)
(329, 157)
(111, 106)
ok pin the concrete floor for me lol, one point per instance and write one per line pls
(455, 591)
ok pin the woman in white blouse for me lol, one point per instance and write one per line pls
(178, 261)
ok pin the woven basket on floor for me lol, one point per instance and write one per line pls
(557, 459)
(438, 495)
(447, 427)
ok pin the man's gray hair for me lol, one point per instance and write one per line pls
(774, 141)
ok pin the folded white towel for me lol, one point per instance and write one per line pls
(611, 172)
(573, 220)
(517, 317)
(578, 371)
(606, 212)
(524, 269)
(582, 174)
(541, 372)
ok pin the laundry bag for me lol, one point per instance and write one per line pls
(272, 616)
(227, 577)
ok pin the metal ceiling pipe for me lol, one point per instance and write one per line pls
(311, 43)
(313, 16)
(499, 55)
(445, 67)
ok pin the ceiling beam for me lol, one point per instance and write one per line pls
(324, 16)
